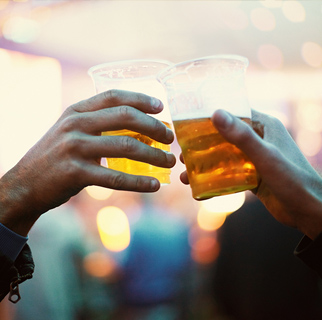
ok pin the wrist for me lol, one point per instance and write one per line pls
(16, 213)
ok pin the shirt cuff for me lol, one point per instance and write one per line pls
(11, 243)
(310, 252)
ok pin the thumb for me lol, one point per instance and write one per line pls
(240, 134)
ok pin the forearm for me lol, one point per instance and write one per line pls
(16, 205)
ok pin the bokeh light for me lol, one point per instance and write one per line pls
(224, 204)
(99, 265)
(312, 54)
(309, 142)
(99, 193)
(270, 56)
(281, 116)
(20, 30)
(294, 11)
(263, 19)
(114, 228)
(205, 250)
(309, 116)
(210, 221)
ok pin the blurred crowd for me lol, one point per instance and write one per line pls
(254, 275)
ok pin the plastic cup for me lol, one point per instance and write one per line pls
(138, 76)
(195, 90)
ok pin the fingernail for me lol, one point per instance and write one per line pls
(223, 119)
(156, 103)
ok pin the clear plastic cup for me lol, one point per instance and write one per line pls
(138, 76)
(195, 90)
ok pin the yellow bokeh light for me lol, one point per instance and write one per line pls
(270, 56)
(312, 54)
(263, 19)
(224, 204)
(98, 193)
(294, 11)
(210, 221)
(114, 228)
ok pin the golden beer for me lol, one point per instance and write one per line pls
(137, 167)
(214, 166)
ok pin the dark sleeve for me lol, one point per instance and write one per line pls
(12, 273)
(310, 252)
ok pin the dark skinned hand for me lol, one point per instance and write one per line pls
(67, 158)
(289, 186)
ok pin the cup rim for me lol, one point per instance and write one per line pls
(243, 59)
(92, 69)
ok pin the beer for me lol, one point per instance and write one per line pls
(214, 166)
(137, 167)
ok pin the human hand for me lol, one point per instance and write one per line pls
(289, 187)
(67, 158)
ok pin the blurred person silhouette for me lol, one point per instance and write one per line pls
(67, 159)
(58, 290)
(156, 267)
(257, 276)
(289, 187)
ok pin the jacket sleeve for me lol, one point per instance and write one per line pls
(310, 252)
(12, 273)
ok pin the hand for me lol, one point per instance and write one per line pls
(289, 186)
(67, 158)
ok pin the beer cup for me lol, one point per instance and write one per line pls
(195, 90)
(138, 76)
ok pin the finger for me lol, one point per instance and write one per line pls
(268, 160)
(113, 98)
(240, 134)
(181, 158)
(122, 117)
(126, 147)
(104, 177)
(184, 177)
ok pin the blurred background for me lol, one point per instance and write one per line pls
(121, 255)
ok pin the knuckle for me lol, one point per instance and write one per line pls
(278, 123)
(117, 181)
(126, 113)
(111, 95)
(69, 123)
(128, 144)
(72, 144)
